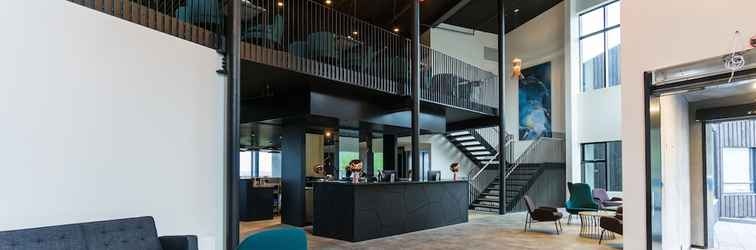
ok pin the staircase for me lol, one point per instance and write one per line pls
(517, 183)
(484, 180)
(472, 144)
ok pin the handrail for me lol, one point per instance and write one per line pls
(508, 142)
(524, 154)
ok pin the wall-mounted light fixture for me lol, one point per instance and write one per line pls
(328, 2)
(280, 4)
(517, 68)
(396, 29)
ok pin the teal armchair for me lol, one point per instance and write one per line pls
(359, 59)
(279, 239)
(581, 199)
(323, 45)
(270, 32)
(200, 12)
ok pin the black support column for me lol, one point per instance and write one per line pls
(415, 90)
(233, 75)
(389, 152)
(293, 154)
(502, 125)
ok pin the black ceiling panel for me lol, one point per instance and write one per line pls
(482, 14)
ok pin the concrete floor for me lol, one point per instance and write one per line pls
(483, 231)
(735, 236)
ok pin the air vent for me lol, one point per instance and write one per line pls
(491, 54)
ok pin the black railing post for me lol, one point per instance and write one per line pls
(232, 57)
(502, 125)
(415, 90)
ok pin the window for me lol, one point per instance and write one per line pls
(245, 163)
(268, 164)
(602, 165)
(600, 47)
(736, 170)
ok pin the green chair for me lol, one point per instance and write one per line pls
(581, 199)
(278, 239)
(270, 32)
(322, 45)
(359, 59)
(299, 49)
(200, 12)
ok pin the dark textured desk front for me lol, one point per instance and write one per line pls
(357, 212)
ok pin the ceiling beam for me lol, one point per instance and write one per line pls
(449, 13)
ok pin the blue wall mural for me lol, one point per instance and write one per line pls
(535, 102)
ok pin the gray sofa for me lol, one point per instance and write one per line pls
(124, 234)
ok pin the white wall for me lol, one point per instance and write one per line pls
(105, 119)
(444, 153)
(651, 35)
(464, 44)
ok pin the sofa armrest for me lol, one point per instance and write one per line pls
(615, 199)
(179, 242)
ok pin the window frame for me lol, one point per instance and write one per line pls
(605, 161)
(603, 31)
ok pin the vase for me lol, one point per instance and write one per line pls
(355, 178)
(454, 177)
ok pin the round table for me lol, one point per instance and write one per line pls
(589, 224)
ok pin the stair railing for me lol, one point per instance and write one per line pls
(524, 156)
(532, 151)
(476, 183)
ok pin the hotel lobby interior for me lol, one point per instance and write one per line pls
(392, 124)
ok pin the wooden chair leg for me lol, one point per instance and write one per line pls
(569, 219)
(527, 218)
(601, 237)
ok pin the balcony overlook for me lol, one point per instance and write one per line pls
(322, 41)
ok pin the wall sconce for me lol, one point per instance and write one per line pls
(517, 68)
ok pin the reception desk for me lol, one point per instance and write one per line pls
(357, 212)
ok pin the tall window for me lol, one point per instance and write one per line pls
(737, 176)
(600, 47)
(602, 165)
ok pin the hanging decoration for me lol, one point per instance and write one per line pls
(517, 68)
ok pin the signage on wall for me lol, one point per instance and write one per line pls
(753, 41)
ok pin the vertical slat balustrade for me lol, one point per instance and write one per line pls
(312, 38)
(738, 205)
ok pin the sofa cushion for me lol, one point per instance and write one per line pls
(124, 234)
(66, 237)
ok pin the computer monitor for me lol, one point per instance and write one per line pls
(434, 175)
(387, 175)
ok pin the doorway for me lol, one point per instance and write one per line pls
(730, 196)
(686, 108)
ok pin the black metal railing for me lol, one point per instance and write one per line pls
(198, 21)
(312, 38)
(451, 81)
(315, 39)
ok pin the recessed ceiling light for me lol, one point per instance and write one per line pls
(280, 4)
(328, 2)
